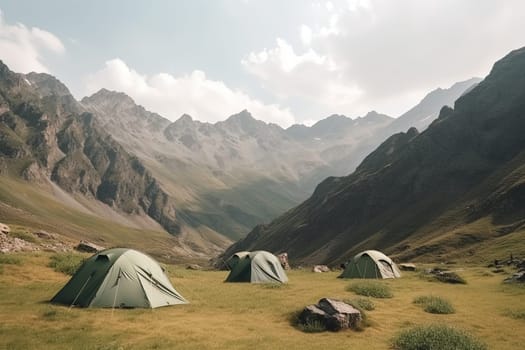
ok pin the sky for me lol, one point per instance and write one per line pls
(287, 62)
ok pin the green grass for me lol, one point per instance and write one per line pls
(66, 263)
(9, 259)
(373, 289)
(24, 234)
(362, 303)
(434, 304)
(436, 337)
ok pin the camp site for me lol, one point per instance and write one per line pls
(262, 174)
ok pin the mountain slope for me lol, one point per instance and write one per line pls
(48, 138)
(459, 183)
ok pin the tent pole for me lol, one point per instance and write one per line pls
(116, 292)
(80, 291)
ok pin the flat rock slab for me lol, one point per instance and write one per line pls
(88, 247)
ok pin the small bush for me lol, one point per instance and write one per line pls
(24, 235)
(312, 327)
(516, 314)
(361, 303)
(371, 289)
(435, 305)
(66, 263)
(436, 337)
(10, 260)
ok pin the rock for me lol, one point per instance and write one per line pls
(88, 247)
(334, 315)
(4, 228)
(283, 258)
(43, 234)
(320, 268)
(516, 278)
(193, 267)
(407, 267)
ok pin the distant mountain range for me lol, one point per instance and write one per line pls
(206, 184)
(457, 189)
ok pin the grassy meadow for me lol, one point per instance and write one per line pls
(241, 316)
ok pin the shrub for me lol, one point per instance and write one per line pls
(361, 303)
(10, 260)
(312, 327)
(516, 314)
(371, 289)
(66, 263)
(436, 337)
(434, 304)
(24, 235)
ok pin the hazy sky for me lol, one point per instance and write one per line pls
(293, 61)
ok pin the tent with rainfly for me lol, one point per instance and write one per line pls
(255, 267)
(371, 264)
(119, 277)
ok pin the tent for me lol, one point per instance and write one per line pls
(371, 264)
(256, 267)
(119, 277)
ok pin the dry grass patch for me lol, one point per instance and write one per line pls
(241, 315)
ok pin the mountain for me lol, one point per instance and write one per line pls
(48, 138)
(424, 113)
(195, 186)
(231, 175)
(457, 189)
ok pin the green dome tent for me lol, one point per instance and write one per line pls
(119, 277)
(256, 267)
(371, 264)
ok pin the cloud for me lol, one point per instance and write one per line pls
(22, 48)
(194, 94)
(385, 55)
(308, 75)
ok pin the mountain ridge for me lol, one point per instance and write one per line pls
(419, 194)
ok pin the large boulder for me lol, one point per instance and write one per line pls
(334, 315)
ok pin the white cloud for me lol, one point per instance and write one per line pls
(194, 94)
(308, 75)
(22, 48)
(385, 55)
(306, 35)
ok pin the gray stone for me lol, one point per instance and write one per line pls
(334, 315)
(88, 247)
(320, 268)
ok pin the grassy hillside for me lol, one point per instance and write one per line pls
(241, 316)
(28, 208)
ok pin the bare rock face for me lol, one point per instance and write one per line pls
(335, 315)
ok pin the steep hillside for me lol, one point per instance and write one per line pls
(447, 191)
(46, 137)
(231, 175)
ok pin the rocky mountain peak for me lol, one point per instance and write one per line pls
(47, 85)
(105, 96)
